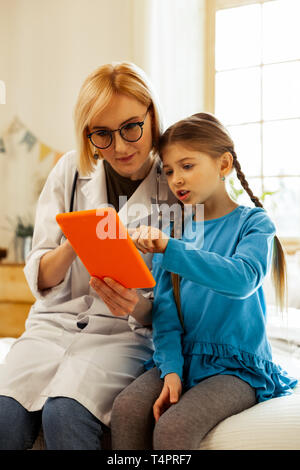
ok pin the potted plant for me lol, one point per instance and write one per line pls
(235, 193)
(23, 240)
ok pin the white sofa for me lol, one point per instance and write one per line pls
(271, 425)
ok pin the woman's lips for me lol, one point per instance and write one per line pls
(125, 159)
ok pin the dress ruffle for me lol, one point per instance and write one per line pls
(203, 360)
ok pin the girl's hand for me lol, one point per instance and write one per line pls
(170, 395)
(149, 239)
(123, 301)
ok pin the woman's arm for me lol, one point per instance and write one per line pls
(54, 265)
(47, 244)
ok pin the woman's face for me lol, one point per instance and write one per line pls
(129, 159)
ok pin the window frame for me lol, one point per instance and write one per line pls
(290, 244)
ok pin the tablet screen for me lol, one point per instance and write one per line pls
(104, 246)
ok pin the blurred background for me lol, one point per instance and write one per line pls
(239, 59)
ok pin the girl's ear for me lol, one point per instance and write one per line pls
(226, 163)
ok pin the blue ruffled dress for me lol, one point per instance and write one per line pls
(222, 264)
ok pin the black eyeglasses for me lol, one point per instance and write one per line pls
(131, 132)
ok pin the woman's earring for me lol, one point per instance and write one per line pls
(96, 154)
(223, 178)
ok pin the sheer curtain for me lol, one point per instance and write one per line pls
(168, 43)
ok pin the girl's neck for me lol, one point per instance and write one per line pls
(214, 210)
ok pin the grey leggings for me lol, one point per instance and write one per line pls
(183, 425)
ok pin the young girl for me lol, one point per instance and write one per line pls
(209, 311)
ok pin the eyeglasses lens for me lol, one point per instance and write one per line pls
(130, 132)
(101, 139)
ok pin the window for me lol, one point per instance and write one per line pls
(253, 87)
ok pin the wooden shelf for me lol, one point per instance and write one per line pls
(15, 300)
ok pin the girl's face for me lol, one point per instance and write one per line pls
(129, 159)
(193, 176)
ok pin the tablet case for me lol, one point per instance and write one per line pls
(104, 246)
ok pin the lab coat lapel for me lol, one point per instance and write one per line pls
(95, 188)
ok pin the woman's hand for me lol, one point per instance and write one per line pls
(169, 395)
(149, 239)
(123, 301)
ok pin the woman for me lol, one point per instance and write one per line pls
(85, 340)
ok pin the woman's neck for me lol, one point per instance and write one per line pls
(144, 170)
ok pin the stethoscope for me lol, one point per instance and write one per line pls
(158, 174)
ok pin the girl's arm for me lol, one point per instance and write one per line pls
(236, 276)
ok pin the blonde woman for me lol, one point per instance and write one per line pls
(85, 339)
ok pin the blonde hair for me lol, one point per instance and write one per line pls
(204, 132)
(95, 94)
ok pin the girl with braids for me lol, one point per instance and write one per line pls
(212, 357)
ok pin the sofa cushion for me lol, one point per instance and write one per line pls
(270, 425)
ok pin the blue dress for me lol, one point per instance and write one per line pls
(222, 264)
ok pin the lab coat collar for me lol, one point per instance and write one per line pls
(95, 188)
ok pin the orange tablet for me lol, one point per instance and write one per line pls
(104, 246)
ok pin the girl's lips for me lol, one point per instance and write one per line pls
(182, 196)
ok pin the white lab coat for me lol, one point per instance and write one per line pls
(54, 357)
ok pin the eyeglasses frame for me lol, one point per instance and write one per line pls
(111, 131)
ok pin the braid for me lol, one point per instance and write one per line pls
(279, 270)
(243, 180)
(175, 278)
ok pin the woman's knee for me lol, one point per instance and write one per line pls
(62, 412)
(18, 427)
(53, 413)
(68, 425)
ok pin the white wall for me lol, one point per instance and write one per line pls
(177, 60)
(48, 47)
(169, 44)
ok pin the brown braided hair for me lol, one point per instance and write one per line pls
(204, 132)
